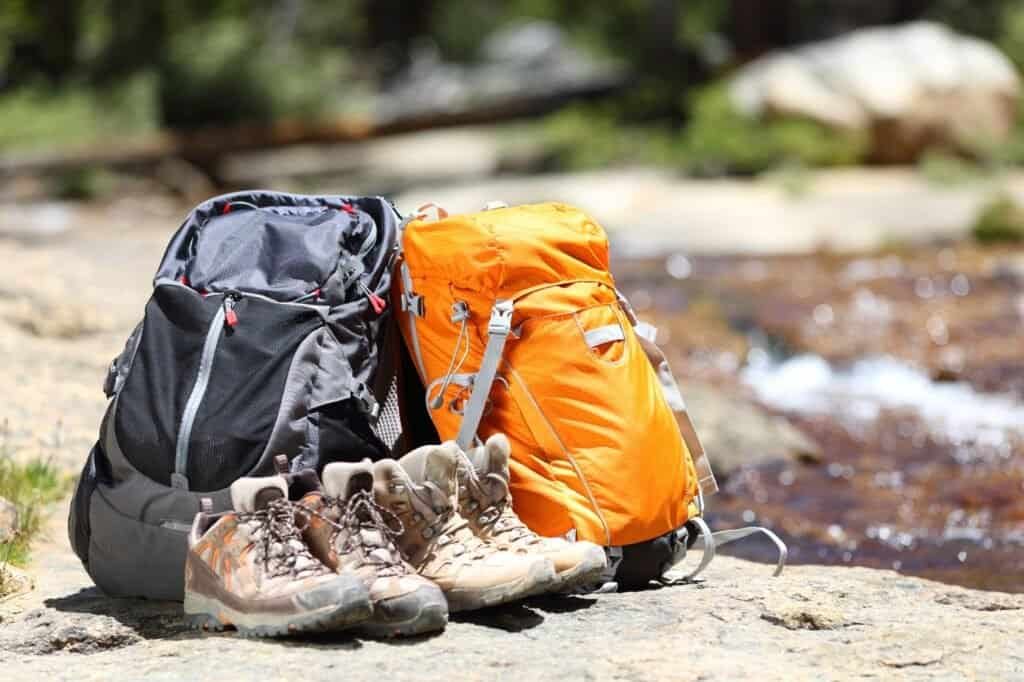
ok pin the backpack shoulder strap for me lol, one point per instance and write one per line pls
(497, 333)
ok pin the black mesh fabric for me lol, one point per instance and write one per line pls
(388, 426)
(241, 402)
(417, 427)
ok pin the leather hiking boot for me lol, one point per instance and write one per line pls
(249, 568)
(420, 490)
(485, 501)
(350, 533)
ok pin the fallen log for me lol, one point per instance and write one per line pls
(205, 148)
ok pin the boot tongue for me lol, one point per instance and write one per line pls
(492, 458)
(433, 464)
(251, 494)
(344, 479)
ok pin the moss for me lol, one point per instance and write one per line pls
(1001, 220)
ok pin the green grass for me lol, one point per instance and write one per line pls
(30, 486)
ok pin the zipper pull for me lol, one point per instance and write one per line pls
(230, 316)
(376, 302)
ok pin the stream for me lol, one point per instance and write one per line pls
(921, 429)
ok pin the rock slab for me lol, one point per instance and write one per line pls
(813, 623)
(911, 87)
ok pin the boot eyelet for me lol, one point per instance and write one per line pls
(428, 533)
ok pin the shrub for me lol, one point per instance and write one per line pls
(720, 140)
(1001, 220)
(221, 72)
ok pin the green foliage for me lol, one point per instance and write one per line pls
(1001, 220)
(941, 168)
(35, 117)
(720, 140)
(581, 138)
(83, 184)
(220, 73)
(30, 487)
(717, 140)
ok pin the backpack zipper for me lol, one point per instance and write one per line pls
(224, 317)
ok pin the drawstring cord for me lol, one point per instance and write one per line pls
(460, 314)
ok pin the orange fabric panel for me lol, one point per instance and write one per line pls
(595, 446)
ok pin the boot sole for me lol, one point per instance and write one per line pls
(432, 617)
(587, 572)
(538, 579)
(210, 614)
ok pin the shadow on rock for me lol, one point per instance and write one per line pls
(146, 619)
(510, 618)
(561, 603)
(87, 622)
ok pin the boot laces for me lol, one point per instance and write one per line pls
(278, 541)
(495, 507)
(371, 532)
(450, 529)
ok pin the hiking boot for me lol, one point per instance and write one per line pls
(485, 501)
(420, 489)
(350, 533)
(250, 569)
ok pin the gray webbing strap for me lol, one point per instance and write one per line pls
(709, 542)
(602, 335)
(706, 541)
(413, 305)
(497, 332)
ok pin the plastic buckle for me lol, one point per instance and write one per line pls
(367, 402)
(501, 319)
(413, 303)
(460, 311)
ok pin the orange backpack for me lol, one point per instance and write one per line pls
(515, 326)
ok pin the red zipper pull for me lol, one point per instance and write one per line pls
(376, 302)
(230, 316)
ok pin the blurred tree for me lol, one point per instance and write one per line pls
(262, 58)
(40, 39)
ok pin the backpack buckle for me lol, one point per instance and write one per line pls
(500, 323)
(413, 303)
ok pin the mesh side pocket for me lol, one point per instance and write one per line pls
(388, 426)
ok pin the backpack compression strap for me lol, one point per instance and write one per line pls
(709, 542)
(497, 332)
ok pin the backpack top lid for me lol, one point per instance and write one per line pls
(504, 251)
(277, 244)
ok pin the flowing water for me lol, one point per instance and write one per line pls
(912, 390)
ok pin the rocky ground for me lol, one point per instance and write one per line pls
(76, 279)
(812, 623)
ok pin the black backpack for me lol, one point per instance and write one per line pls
(268, 332)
